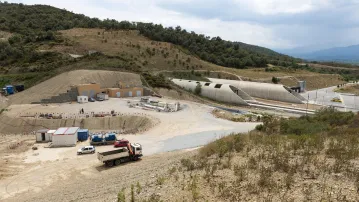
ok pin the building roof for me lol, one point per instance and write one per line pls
(71, 130)
(88, 84)
(42, 131)
(51, 131)
(60, 131)
(83, 130)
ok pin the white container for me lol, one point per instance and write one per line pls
(82, 99)
(65, 137)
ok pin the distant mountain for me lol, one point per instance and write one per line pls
(349, 54)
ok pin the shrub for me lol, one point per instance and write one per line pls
(139, 187)
(275, 80)
(121, 196)
(198, 89)
(160, 180)
(188, 164)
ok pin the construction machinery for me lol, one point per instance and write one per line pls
(336, 99)
(132, 152)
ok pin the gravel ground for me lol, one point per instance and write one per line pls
(47, 170)
(102, 184)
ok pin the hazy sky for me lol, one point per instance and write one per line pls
(276, 24)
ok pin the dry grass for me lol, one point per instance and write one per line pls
(322, 166)
(354, 89)
(149, 55)
(11, 149)
(236, 117)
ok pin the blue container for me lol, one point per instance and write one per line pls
(82, 134)
(110, 137)
(10, 89)
(96, 138)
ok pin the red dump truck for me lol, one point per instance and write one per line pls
(132, 152)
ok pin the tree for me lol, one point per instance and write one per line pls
(198, 89)
(275, 80)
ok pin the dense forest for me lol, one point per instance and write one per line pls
(216, 50)
(39, 23)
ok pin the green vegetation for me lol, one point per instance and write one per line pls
(156, 81)
(311, 156)
(351, 74)
(37, 22)
(37, 25)
(216, 50)
(27, 79)
(336, 64)
(121, 196)
(297, 155)
(354, 89)
(196, 76)
(275, 80)
(324, 120)
(198, 89)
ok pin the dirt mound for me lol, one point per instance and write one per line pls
(63, 82)
(125, 124)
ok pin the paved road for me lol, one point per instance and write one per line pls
(325, 95)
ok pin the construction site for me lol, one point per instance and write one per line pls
(46, 126)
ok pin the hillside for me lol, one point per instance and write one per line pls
(63, 82)
(37, 49)
(38, 23)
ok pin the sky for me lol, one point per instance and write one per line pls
(275, 24)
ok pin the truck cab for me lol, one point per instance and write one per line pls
(136, 150)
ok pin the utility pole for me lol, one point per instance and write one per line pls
(306, 112)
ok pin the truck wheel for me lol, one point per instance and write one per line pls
(117, 162)
(109, 163)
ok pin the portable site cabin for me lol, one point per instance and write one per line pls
(65, 137)
(82, 134)
(82, 99)
(43, 135)
(103, 96)
(10, 89)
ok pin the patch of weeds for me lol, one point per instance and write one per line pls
(252, 163)
(121, 197)
(154, 198)
(265, 180)
(252, 188)
(221, 187)
(160, 180)
(289, 179)
(194, 188)
(139, 188)
(132, 193)
(240, 172)
(172, 170)
(187, 163)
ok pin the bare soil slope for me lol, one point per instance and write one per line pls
(63, 82)
(123, 123)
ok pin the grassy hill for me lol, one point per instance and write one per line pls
(49, 40)
(39, 22)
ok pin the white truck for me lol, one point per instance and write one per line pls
(132, 152)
